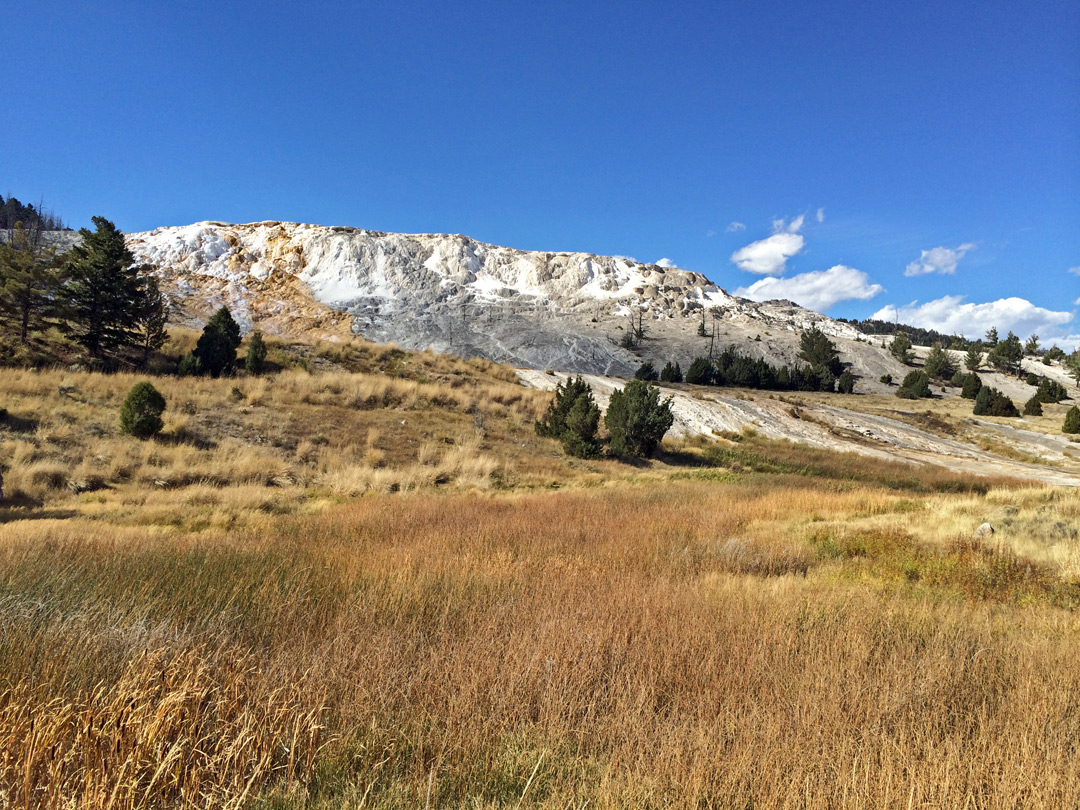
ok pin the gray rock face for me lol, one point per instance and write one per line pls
(983, 531)
(450, 293)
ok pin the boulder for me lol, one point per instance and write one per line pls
(985, 530)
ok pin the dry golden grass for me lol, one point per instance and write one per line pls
(696, 644)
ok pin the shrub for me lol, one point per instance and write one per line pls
(218, 343)
(1050, 391)
(1032, 378)
(991, 402)
(1072, 421)
(846, 383)
(1033, 407)
(553, 424)
(190, 366)
(671, 373)
(255, 360)
(646, 371)
(972, 386)
(916, 385)
(140, 415)
(958, 379)
(900, 348)
(582, 421)
(886, 379)
(637, 418)
(700, 372)
(938, 364)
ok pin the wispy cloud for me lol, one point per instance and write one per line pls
(1075, 270)
(735, 227)
(666, 262)
(952, 315)
(768, 257)
(821, 215)
(938, 260)
(818, 290)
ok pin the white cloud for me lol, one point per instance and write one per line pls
(768, 257)
(938, 260)
(821, 215)
(1075, 270)
(952, 315)
(665, 262)
(735, 227)
(1076, 303)
(817, 291)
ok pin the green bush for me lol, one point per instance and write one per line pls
(646, 371)
(553, 424)
(991, 402)
(255, 360)
(140, 415)
(1033, 407)
(671, 373)
(1072, 421)
(700, 372)
(637, 418)
(972, 386)
(846, 383)
(216, 348)
(573, 418)
(916, 385)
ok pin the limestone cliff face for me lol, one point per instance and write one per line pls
(447, 292)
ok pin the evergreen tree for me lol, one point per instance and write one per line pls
(938, 364)
(991, 338)
(1007, 354)
(582, 421)
(1072, 362)
(671, 373)
(646, 371)
(553, 424)
(216, 347)
(153, 316)
(1072, 421)
(972, 386)
(700, 372)
(973, 360)
(900, 348)
(1031, 347)
(104, 290)
(1051, 391)
(28, 278)
(256, 353)
(991, 402)
(916, 385)
(637, 418)
(846, 383)
(817, 350)
(140, 415)
(1033, 407)
(982, 401)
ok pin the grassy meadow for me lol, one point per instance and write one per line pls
(367, 583)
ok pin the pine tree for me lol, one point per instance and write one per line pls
(216, 347)
(972, 386)
(982, 401)
(916, 385)
(1007, 354)
(29, 276)
(582, 422)
(637, 418)
(553, 424)
(153, 317)
(991, 338)
(1031, 347)
(104, 290)
(255, 359)
(701, 372)
(900, 348)
(846, 383)
(1033, 407)
(1072, 421)
(671, 373)
(817, 350)
(938, 364)
(646, 371)
(973, 360)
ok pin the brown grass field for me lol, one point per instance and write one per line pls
(378, 588)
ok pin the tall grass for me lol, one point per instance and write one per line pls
(686, 645)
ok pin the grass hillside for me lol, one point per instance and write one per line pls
(362, 580)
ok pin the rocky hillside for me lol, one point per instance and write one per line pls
(568, 311)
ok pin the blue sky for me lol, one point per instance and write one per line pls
(911, 159)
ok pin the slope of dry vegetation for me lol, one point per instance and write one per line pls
(216, 618)
(768, 643)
